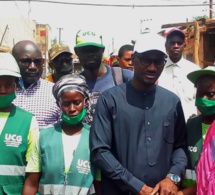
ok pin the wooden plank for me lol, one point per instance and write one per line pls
(184, 24)
(208, 22)
(206, 63)
(196, 44)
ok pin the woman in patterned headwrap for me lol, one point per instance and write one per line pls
(63, 164)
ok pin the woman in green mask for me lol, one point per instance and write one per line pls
(62, 161)
(197, 127)
(18, 130)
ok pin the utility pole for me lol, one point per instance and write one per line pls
(59, 41)
(113, 44)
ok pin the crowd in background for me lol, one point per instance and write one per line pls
(144, 125)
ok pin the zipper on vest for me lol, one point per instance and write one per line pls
(65, 179)
(65, 184)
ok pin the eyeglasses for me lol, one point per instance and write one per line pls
(63, 60)
(145, 61)
(28, 61)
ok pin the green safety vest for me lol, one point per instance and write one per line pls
(13, 148)
(195, 142)
(54, 180)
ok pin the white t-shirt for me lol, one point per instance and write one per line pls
(70, 144)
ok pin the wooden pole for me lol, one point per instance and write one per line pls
(196, 44)
(45, 63)
(211, 9)
(3, 35)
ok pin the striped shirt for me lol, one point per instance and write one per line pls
(38, 100)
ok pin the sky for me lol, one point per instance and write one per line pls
(118, 25)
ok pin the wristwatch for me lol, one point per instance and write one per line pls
(175, 178)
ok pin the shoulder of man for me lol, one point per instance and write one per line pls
(121, 75)
(46, 82)
(162, 89)
(46, 86)
(166, 95)
(190, 66)
(46, 91)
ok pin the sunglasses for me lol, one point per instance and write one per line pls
(63, 60)
(28, 61)
(145, 61)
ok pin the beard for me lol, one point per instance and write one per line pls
(149, 83)
(64, 69)
(92, 66)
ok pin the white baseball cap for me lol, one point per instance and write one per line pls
(150, 41)
(8, 65)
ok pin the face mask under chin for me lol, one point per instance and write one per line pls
(73, 121)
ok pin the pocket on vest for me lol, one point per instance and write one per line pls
(15, 189)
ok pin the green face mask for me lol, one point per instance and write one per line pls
(72, 121)
(206, 107)
(5, 101)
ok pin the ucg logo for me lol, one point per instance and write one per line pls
(89, 33)
(13, 137)
(84, 163)
(192, 149)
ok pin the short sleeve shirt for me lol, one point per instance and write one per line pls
(38, 100)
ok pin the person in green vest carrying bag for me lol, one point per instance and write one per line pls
(197, 126)
(18, 130)
(63, 154)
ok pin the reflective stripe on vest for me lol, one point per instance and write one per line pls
(12, 170)
(62, 189)
(190, 174)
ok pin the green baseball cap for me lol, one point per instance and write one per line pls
(88, 38)
(195, 75)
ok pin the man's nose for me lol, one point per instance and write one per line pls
(176, 45)
(32, 66)
(152, 67)
(3, 89)
(130, 62)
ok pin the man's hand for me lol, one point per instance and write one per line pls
(165, 187)
(180, 193)
(146, 190)
(192, 116)
(191, 190)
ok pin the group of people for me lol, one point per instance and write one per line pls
(88, 133)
